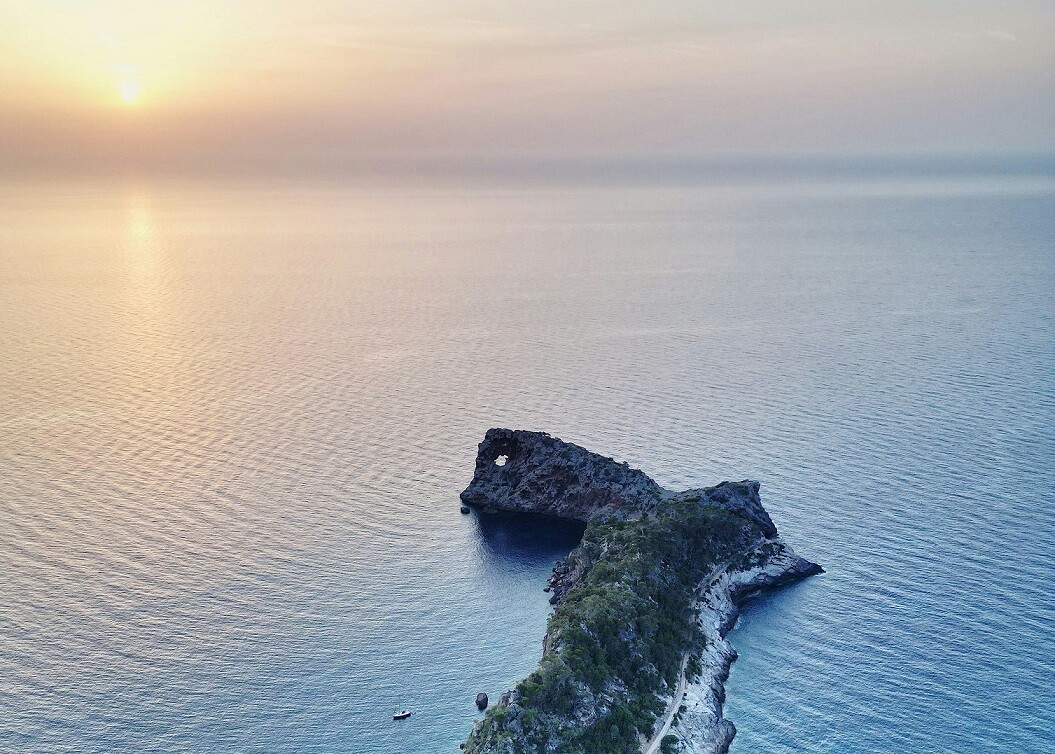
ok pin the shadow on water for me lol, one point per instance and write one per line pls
(772, 609)
(526, 541)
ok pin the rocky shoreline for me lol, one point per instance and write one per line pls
(702, 727)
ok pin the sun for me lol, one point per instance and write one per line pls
(129, 91)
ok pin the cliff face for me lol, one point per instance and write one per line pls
(531, 472)
(636, 601)
(702, 727)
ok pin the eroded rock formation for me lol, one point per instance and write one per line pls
(531, 472)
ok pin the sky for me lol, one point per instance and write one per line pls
(261, 84)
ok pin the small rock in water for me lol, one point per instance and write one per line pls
(465, 509)
(481, 700)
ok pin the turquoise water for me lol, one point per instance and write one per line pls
(235, 418)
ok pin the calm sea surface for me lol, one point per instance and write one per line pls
(235, 419)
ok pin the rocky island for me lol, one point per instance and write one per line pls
(634, 657)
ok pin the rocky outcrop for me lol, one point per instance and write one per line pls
(566, 574)
(653, 566)
(531, 472)
(740, 498)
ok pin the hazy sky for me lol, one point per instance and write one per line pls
(303, 82)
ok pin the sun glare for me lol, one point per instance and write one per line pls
(130, 91)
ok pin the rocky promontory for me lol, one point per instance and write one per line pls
(634, 656)
(531, 472)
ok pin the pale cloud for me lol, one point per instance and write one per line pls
(323, 81)
(987, 34)
(1002, 35)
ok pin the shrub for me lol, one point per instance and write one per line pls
(669, 744)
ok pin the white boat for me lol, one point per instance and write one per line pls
(401, 715)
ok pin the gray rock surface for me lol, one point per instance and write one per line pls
(740, 498)
(532, 472)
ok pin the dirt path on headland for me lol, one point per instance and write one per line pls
(652, 747)
(668, 719)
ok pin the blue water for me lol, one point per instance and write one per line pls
(234, 420)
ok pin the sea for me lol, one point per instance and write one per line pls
(236, 414)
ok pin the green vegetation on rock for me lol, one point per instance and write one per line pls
(615, 644)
